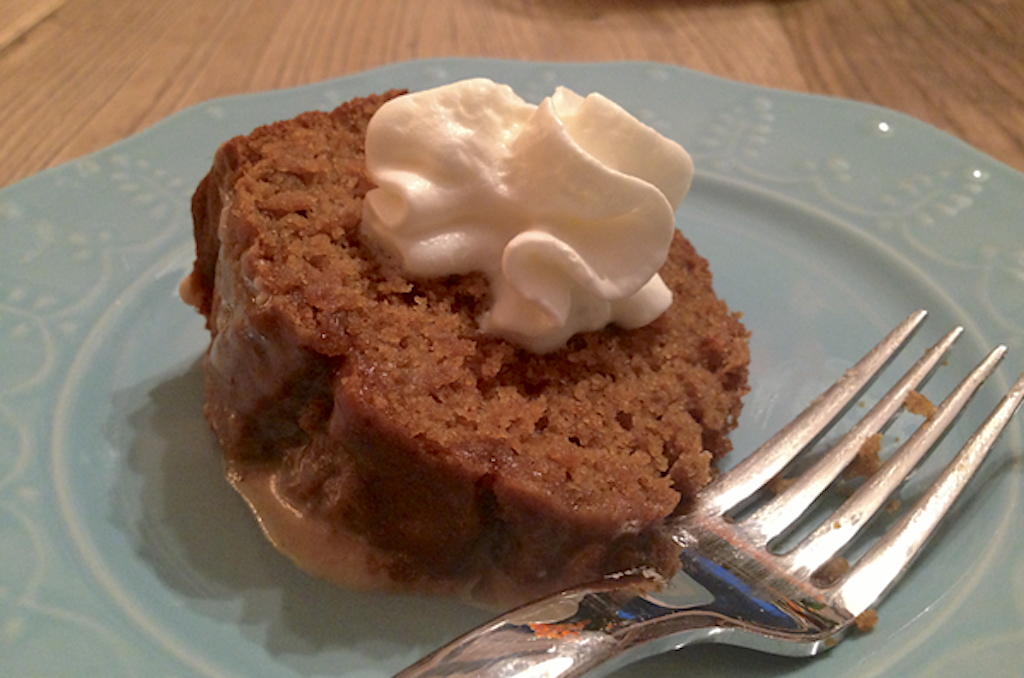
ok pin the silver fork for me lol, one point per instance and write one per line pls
(732, 587)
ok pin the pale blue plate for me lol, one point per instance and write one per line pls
(123, 552)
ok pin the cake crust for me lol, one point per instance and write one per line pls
(387, 443)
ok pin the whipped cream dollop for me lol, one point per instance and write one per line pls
(567, 206)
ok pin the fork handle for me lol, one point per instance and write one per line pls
(591, 630)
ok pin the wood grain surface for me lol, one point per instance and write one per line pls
(78, 75)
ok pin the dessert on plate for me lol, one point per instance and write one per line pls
(458, 346)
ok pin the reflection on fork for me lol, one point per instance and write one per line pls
(733, 587)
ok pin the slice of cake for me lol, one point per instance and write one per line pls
(386, 441)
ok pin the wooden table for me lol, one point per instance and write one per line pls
(77, 75)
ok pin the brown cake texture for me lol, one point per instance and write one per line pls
(386, 443)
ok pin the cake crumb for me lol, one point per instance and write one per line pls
(867, 461)
(866, 620)
(916, 403)
(778, 484)
(832, 570)
(893, 506)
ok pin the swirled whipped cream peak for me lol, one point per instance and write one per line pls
(567, 206)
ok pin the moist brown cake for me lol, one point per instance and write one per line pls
(385, 442)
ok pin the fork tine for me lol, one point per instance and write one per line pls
(875, 573)
(730, 489)
(774, 517)
(844, 524)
